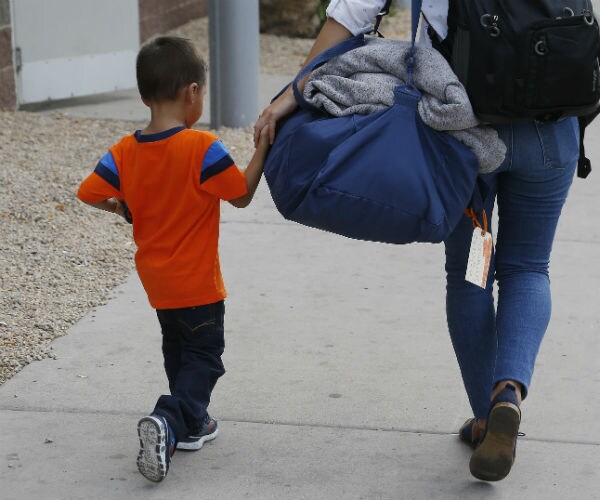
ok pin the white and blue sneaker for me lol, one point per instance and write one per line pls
(208, 432)
(157, 445)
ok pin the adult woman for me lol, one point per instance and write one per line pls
(496, 347)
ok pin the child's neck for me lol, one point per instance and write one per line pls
(164, 116)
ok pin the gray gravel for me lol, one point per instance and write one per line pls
(60, 259)
(284, 56)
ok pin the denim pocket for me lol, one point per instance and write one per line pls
(195, 319)
(560, 142)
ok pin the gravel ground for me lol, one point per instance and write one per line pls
(58, 258)
(285, 56)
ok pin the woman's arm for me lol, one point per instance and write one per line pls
(331, 34)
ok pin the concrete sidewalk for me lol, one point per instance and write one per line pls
(341, 383)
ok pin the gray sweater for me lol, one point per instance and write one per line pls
(363, 81)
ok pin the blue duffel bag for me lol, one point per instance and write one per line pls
(384, 177)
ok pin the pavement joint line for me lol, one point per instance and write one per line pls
(261, 223)
(289, 424)
(293, 223)
(572, 240)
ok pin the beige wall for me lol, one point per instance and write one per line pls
(156, 16)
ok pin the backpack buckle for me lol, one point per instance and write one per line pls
(490, 23)
(588, 17)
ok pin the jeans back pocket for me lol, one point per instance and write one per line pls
(560, 142)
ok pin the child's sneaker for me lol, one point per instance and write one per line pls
(157, 445)
(208, 432)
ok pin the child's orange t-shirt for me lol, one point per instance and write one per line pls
(172, 182)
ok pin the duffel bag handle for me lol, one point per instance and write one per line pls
(410, 63)
(345, 46)
(319, 60)
(322, 58)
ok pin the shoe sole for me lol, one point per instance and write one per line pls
(494, 457)
(152, 458)
(196, 445)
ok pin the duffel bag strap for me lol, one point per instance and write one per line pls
(322, 58)
(410, 63)
(350, 44)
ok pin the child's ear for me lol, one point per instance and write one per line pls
(190, 92)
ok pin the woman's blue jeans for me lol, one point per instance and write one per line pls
(500, 342)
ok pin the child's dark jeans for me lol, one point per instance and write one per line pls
(193, 342)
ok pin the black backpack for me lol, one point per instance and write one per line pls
(526, 59)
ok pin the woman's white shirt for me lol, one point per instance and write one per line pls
(357, 15)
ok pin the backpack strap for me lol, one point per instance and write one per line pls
(384, 12)
(584, 165)
(444, 46)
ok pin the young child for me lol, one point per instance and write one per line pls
(168, 181)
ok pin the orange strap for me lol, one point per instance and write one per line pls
(471, 213)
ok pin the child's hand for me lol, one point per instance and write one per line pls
(264, 138)
(122, 209)
(279, 108)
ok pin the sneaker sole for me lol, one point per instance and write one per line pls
(152, 458)
(494, 457)
(196, 445)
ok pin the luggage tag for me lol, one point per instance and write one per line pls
(480, 254)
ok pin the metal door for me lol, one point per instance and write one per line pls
(71, 48)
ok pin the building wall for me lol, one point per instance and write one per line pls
(8, 98)
(158, 16)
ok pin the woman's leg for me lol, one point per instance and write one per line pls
(470, 314)
(530, 200)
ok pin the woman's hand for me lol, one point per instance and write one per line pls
(279, 108)
(331, 33)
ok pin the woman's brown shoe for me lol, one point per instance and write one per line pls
(470, 432)
(493, 458)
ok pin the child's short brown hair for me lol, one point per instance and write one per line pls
(165, 65)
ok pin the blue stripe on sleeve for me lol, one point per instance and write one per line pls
(216, 168)
(107, 169)
(108, 161)
(214, 153)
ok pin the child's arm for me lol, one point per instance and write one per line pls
(102, 188)
(109, 205)
(254, 170)
(112, 205)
